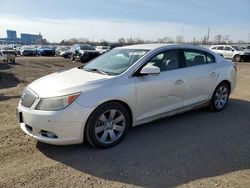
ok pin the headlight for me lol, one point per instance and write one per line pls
(56, 103)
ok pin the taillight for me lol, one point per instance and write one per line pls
(235, 67)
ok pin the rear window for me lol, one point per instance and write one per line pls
(196, 57)
(220, 47)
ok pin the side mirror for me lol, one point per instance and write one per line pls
(150, 70)
(232, 50)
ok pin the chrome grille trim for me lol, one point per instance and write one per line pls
(28, 98)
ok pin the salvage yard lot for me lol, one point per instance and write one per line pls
(197, 148)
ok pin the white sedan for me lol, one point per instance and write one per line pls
(123, 88)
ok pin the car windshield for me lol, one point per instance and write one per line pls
(28, 48)
(65, 48)
(45, 46)
(86, 47)
(237, 48)
(116, 61)
(7, 48)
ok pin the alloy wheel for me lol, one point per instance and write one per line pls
(221, 97)
(110, 126)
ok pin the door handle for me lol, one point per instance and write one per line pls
(213, 74)
(179, 81)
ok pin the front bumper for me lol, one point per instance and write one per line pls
(67, 125)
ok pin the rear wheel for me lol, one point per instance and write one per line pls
(72, 57)
(220, 97)
(237, 58)
(107, 125)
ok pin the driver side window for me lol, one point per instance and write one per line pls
(168, 60)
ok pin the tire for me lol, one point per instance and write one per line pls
(84, 58)
(237, 58)
(72, 58)
(220, 97)
(107, 125)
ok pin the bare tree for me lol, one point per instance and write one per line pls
(179, 39)
(221, 39)
(121, 40)
(167, 40)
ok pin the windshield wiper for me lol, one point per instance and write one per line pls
(97, 70)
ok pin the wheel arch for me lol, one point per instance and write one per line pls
(227, 82)
(128, 108)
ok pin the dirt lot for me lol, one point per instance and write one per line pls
(194, 149)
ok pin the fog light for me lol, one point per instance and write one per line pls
(48, 134)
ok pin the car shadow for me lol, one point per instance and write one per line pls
(169, 152)
(4, 66)
(8, 80)
(3, 97)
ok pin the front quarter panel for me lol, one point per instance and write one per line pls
(123, 89)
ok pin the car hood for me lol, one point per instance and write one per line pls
(45, 49)
(68, 82)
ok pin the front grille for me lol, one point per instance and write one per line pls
(28, 98)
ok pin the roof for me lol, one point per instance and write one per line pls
(159, 45)
(145, 46)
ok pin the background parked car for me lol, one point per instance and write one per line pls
(102, 49)
(231, 52)
(64, 51)
(45, 50)
(17, 49)
(28, 51)
(8, 54)
(7, 50)
(83, 52)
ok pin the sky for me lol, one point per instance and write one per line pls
(112, 19)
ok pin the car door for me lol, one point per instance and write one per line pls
(161, 93)
(229, 52)
(220, 50)
(201, 74)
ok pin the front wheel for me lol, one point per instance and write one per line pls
(220, 97)
(107, 125)
(237, 58)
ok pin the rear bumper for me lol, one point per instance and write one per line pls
(245, 57)
(47, 53)
(67, 125)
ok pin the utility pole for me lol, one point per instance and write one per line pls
(182, 34)
(208, 35)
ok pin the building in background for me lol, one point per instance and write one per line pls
(11, 36)
(28, 39)
(25, 38)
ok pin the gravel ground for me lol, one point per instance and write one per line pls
(194, 149)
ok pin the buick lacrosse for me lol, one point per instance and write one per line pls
(123, 88)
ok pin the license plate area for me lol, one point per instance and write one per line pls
(20, 116)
